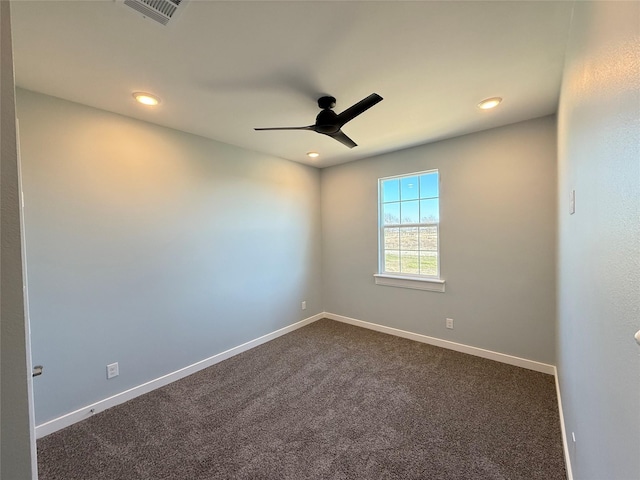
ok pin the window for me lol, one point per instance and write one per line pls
(409, 215)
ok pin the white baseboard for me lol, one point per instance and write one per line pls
(565, 439)
(85, 412)
(458, 347)
(89, 410)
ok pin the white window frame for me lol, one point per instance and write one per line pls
(407, 280)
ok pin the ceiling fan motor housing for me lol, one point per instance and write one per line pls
(327, 122)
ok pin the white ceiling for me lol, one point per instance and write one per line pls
(222, 68)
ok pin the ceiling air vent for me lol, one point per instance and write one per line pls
(160, 11)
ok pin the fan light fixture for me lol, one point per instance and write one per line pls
(313, 154)
(146, 98)
(489, 103)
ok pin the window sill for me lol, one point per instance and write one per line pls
(430, 284)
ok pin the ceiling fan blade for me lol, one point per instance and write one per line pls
(310, 127)
(342, 138)
(355, 110)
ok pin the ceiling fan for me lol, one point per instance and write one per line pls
(330, 123)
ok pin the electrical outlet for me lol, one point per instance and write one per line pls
(449, 323)
(112, 370)
(303, 305)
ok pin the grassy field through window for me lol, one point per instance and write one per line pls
(423, 263)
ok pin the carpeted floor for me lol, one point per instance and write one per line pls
(328, 401)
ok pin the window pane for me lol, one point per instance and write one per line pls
(391, 238)
(392, 262)
(429, 185)
(409, 211)
(391, 212)
(409, 262)
(409, 188)
(429, 263)
(429, 210)
(429, 238)
(391, 190)
(409, 238)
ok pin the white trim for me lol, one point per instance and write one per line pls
(27, 320)
(382, 226)
(85, 412)
(415, 283)
(458, 347)
(565, 440)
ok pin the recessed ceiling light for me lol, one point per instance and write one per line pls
(146, 98)
(313, 154)
(489, 103)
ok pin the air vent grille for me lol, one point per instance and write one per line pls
(159, 10)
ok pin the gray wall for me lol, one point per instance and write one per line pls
(154, 248)
(497, 232)
(599, 246)
(16, 455)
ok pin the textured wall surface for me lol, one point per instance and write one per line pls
(497, 235)
(154, 248)
(16, 453)
(599, 246)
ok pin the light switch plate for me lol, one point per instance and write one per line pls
(572, 203)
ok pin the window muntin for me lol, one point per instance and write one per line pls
(409, 218)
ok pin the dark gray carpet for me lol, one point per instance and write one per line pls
(328, 401)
